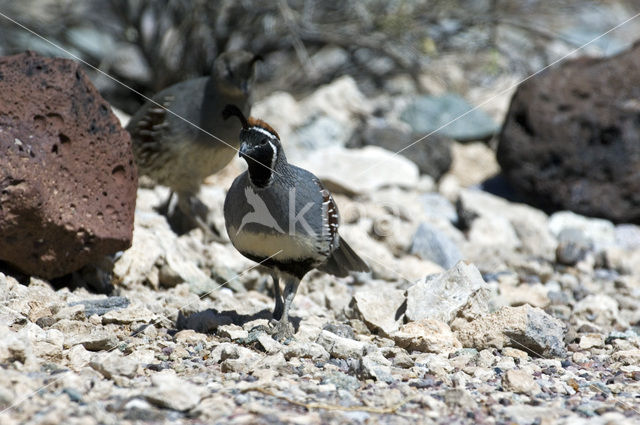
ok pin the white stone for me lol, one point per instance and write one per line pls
(340, 100)
(601, 309)
(473, 163)
(459, 291)
(358, 171)
(588, 341)
(527, 224)
(172, 392)
(135, 313)
(114, 363)
(78, 357)
(601, 232)
(525, 327)
(520, 381)
(340, 347)
(232, 331)
(378, 305)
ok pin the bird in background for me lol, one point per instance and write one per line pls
(295, 228)
(181, 142)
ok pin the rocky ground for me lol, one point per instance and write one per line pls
(477, 310)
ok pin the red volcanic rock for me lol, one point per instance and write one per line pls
(67, 176)
(571, 139)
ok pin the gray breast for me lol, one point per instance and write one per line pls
(283, 216)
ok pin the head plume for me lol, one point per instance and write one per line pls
(256, 58)
(233, 110)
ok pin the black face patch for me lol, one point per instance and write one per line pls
(260, 159)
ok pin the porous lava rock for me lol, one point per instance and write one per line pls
(67, 176)
(571, 139)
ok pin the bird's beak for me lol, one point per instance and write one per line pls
(243, 152)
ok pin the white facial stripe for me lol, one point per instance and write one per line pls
(263, 131)
(274, 157)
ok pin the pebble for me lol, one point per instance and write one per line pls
(112, 364)
(591, 340)
(172, 392)
(520, 381)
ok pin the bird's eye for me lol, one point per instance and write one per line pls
(263, 142)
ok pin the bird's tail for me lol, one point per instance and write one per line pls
(344, 260)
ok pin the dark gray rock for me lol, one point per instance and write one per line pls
(102, 306)
(376, 64)
(430, 243)
(428, 113)
(432, 155)
(322, 132)
(571, 138)
(340, 329)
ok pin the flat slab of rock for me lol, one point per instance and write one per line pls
(112, 364)
(102, 306)
(341, 347)
(172, 392)
(358, 171)
(427, 335)
(67, 178)
(525, 328)
(378, 308)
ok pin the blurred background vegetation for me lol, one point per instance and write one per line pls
(150, 44)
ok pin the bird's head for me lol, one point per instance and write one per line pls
(235, 71)
(259, 145)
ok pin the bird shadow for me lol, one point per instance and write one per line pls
(207, 321)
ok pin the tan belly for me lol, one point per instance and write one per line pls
(192, 164)
(279, 246)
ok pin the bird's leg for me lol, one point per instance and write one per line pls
(194, 213)
(283, 329)
(277, 311)
(163, 208)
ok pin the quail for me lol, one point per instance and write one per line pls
(181, 142)
(282, 217)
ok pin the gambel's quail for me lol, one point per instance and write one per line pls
(282, 217)
(181, 142)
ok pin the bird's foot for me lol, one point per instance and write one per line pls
(281, 331)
